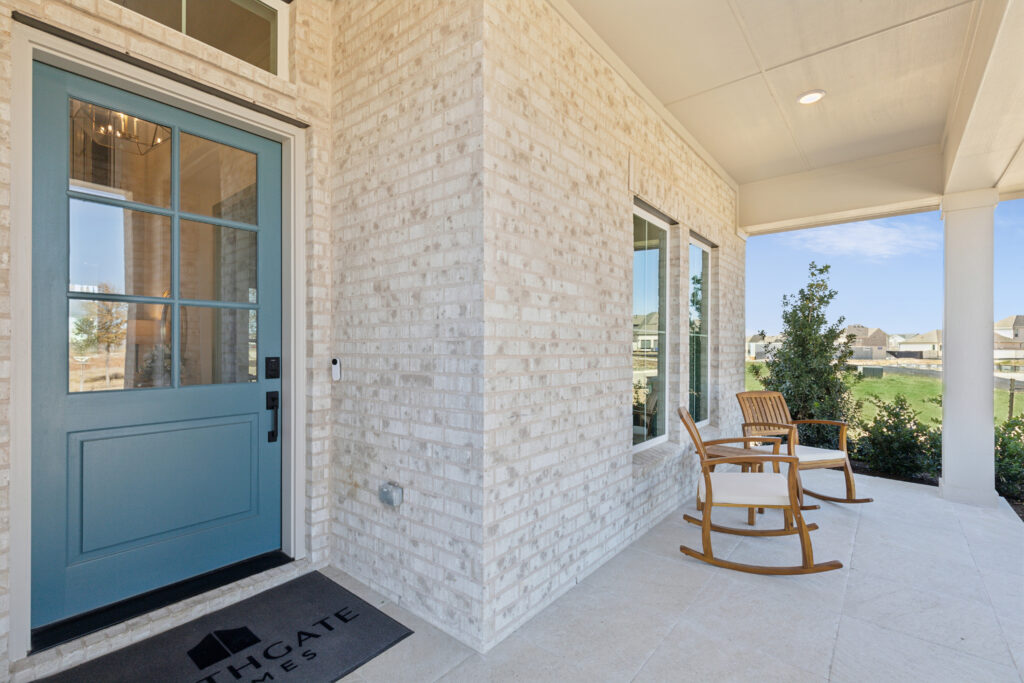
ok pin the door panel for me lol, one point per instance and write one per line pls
(150, 457)
(131, 492)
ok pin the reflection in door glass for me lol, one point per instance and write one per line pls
(218, 345)
(117, 155)
(118, 345)
(217, 263)
(217, 180)
(122, 251)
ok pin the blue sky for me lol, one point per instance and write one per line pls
(888, 272)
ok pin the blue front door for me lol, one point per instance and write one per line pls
(156, 300)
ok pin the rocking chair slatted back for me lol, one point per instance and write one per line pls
(764, 406)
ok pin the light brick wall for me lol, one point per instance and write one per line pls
(567, 145)
(470, 180)
(306, 96)
(408, 303)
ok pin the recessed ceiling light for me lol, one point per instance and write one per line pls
(811, 96)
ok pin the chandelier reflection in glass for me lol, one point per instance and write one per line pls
(109, 149)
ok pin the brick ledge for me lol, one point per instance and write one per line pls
(647, 461)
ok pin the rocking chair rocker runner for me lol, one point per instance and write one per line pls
(765, 414)
(752, 488)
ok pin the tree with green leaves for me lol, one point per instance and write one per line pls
(809, 366)
(83, 336)
(103, 327)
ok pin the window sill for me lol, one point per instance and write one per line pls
(651, 459)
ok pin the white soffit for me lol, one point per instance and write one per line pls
(887, 92)
(986, 138)
(758, 142)
(782, 31)
(677, 47)
(890, 69)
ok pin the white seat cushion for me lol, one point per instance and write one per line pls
(806, 453)
(747, 488)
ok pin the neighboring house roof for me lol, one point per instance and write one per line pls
(770, 339)
(933, 337)
(646, 322)
(1010, 322)
(867, 336)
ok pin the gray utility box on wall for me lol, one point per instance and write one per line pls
(391, 494)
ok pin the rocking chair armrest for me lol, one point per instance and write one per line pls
(836, 423)
(744, 439)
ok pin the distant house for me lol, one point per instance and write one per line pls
(754, 342)
(758, 345)
(929, 344)
(1005, 347)
(1011, 327)
(869, 343)
(892, 343)
(645, 332)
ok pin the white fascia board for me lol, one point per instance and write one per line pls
(891, 184)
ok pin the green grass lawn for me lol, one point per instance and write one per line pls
(916, 389)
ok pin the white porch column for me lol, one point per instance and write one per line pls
(968, 459)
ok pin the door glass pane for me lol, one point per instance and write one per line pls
(650, 280)
(253, 34)
(117, 155)
(118, 345)
(118, 251)
(217, 263)
(218, 345)
(217, 180)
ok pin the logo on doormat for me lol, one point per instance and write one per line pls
(219, 645)
(282, 654)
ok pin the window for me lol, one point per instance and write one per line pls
(700, 360)
(650, 325)
(247, 29)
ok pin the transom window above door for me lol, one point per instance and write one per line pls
(247, 29)
(162, 260)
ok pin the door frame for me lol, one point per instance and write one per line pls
(28, 45)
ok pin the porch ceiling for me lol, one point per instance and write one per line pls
(920, 101)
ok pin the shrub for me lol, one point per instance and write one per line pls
(896, 442)
(810, 366)
(1010, 458)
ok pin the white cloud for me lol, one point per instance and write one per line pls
(871, 240)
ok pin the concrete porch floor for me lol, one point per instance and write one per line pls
(930, 590)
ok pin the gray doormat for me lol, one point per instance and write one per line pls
(307, 630)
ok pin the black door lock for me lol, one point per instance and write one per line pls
(273, 403)
(272, 367)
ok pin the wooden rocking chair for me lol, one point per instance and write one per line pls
(751, 488)
(765, 414)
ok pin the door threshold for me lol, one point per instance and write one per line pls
(51, 635)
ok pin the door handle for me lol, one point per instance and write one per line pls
(273, 403)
